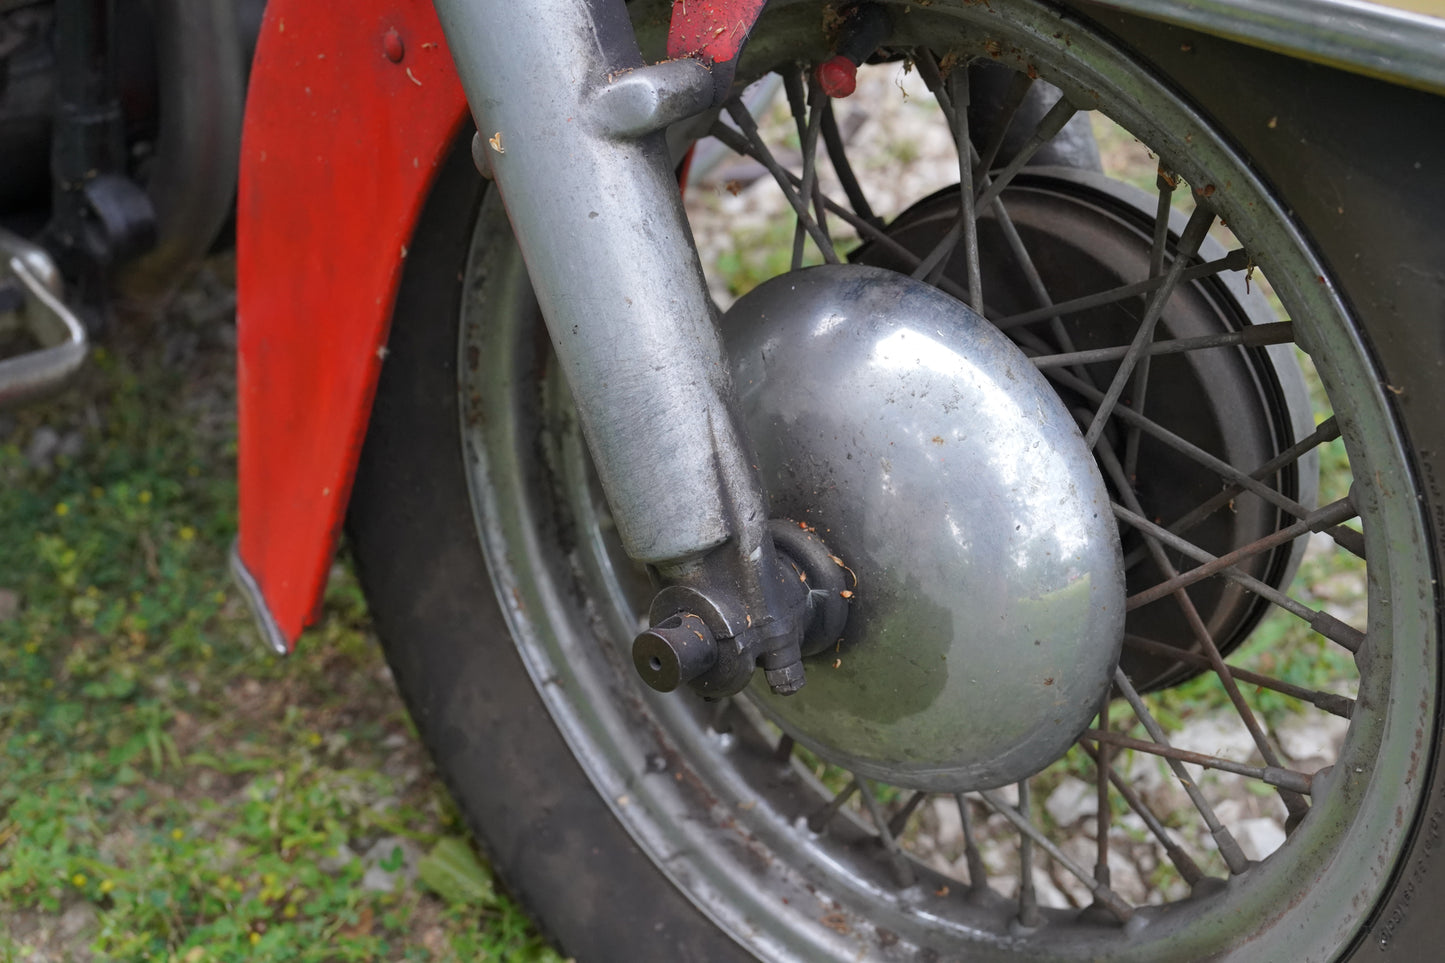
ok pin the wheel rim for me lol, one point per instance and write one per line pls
(725, 818)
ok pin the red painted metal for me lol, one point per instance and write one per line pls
(712, 30)
(838, 77)
(350, 111)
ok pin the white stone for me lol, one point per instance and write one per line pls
(78, 919)
(9, 604)
(1258, 837)
(1047, 893)
(1316, 736)
(337, 861)
(388, 878)
(1219, 734)
(1072, 801)
(950, 826)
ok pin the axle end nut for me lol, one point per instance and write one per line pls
(676, 650)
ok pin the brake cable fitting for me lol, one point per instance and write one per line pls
(860, 30)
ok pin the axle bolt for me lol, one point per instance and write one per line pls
(674, 651)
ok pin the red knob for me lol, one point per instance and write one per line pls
(838, 77)
(392, 46)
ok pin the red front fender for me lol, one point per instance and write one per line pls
(350, 112)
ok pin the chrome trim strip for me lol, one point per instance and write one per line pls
(251, 591)
(1369, 38)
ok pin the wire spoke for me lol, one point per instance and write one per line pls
(1325, 432)
(1331, 514)
(977, 871)
(1117, 904)
(1048, 126)
(809, 190)
(1333, 703)
(1189, 241)
(1165, 182)
(1257, 335)
(1101, 805)
(1341, 633)
(900, 819)
(902, 871)
(1028, 897)
(1188, 869)
(953, 96)
(1192, 451)
(1277, 776)
(784, 750)
(838, 157)
(793, 89)
(1140, 392)
(1013, 99)
(820, 819)
(866, 229)
(1227, 845)
(1235, 260)
(751, 136)
(1295, 804)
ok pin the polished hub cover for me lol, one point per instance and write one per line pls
(987, 600)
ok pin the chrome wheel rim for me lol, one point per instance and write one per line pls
(725, 815)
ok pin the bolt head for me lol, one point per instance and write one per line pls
(787, 680)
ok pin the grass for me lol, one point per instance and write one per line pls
(168, 790)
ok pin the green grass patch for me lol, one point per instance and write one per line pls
(168, 790)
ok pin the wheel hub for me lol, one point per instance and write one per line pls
(986, 589)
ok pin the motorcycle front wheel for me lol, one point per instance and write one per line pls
(642, 826)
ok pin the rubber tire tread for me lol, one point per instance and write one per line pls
(549, 835)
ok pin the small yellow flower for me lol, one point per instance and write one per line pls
(32, 647)
(79, 879)
(187, 533)
(290, 911)
(62, 509)
(313, 738)
(145, 497)
(106, 885)
(220, 597)
(178, 834)
(255, 938)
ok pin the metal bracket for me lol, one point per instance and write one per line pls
(30, 302)
(266, 625)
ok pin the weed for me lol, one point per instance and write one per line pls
(167, 790)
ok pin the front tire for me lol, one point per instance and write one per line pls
(559, 814)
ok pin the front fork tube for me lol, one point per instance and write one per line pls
(571, 124)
